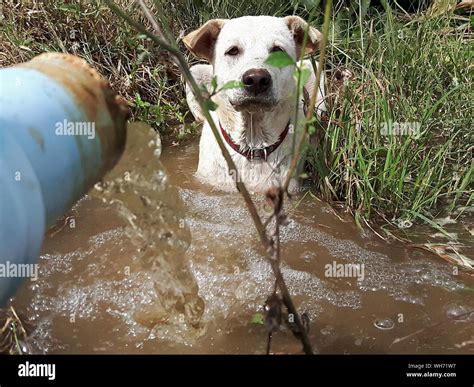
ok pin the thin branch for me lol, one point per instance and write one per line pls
(269, 342)
(156, 27)
(261, 230)
(275, 195)
(181, 61)
(312, 103)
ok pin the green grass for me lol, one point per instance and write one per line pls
(405, 69)
(406, 72)
(90, 30)
(14, 332)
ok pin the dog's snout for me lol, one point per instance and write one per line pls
(257, 81)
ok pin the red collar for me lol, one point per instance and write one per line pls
(259, 153)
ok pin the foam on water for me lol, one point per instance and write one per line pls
(150, 264)
(238, 277)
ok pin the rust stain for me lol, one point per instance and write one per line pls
(38, 137)
(93, 95)
(75, 75)
(89, 91)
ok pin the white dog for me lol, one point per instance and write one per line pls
(255, 121)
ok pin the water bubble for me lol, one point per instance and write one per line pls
(459, 312)
(328, 330)
(309, 256)
(328, 335)
(384, 324)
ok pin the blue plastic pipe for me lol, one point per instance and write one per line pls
(61, 129)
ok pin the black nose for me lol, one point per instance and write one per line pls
(256, 81)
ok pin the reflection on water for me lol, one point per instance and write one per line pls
(159, 263)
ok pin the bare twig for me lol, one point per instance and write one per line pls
(269, 343)
(181, 60)
(156, 27)
(275, 196)
(269, 245)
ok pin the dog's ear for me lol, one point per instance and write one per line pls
(201, 42)
(298, 28)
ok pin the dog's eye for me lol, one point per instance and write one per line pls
(276, 49)
(232, 51)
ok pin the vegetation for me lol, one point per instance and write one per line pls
(398, 138)
(400, 135)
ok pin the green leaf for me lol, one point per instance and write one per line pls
(210, 105)
(303, 76)
(232, 85)
(311, 130)
(280, 59)
(258, 318)
(214, 84)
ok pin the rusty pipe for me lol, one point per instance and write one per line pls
(61, 129)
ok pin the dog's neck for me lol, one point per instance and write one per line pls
(257, 129)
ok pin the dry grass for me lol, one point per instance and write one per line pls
(14, 332)
(144, 76)
(141, 73)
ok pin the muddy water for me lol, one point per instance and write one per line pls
(151, 261)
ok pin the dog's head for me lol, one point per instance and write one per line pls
(238, 49)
